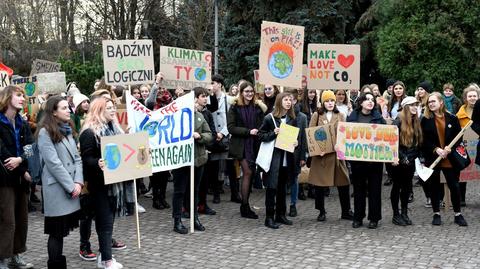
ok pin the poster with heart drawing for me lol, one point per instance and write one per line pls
(333, 66)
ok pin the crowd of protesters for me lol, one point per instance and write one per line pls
(229, 128)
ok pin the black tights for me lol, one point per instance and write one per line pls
(247, 171)
(55, 248)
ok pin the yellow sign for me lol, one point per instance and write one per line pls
(287, 137)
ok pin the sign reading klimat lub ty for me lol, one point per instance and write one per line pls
(185, 67)
(127, 62)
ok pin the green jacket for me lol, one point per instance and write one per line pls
(201, 127)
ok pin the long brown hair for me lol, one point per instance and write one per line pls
(410, 128)
(50, 122)
(278, 108)
(6, 96)
(428, 113)
(394, 98)
(241, 87)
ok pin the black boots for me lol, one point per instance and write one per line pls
(234, 191)
(197, 225)
(57, 264)
(405, 216)
(398, 220)
(159, 201)
(179, 227)
(247, 212)
(270, 223)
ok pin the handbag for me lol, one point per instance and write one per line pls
(303, 177)
(460, 157)
(265, 153)
(224, 144)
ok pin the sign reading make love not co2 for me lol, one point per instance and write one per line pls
(128, 62)
(281, 54)
(170, 131)
(185, 67)
(333, 66)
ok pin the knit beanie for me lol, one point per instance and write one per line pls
(426, 86)
(327, 95)
(78, 99)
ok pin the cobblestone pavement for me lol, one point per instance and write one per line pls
(234, 242)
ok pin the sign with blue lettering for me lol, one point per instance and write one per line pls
(170, 131)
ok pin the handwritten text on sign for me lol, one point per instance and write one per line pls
(170, 131)
(42, 66)
(472, 172)
(367, 142)
(333, 66)
(127, 62)
(185, 67)
(281, 54)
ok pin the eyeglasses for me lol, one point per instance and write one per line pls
(268, 89)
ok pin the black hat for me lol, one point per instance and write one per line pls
(218, 78)
(390, 82)
(426, 86)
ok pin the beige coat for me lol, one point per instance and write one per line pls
(327, 170)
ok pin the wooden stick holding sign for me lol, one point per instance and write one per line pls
(126, 157)
(287, 137)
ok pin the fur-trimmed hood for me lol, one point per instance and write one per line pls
(258, 102)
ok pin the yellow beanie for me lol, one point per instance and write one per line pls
(327, 95)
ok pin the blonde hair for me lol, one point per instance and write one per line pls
(428, 113)
(468, 89)
(96, 120)
(6, 96)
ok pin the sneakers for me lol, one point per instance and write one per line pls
(206, 210)
(140, 208)
(103, 264)
(149, 194)
(398, 220)
(460, 220)
(18, 262)
(428, 203)
(117, 245)
(87, 255)
(3, 264)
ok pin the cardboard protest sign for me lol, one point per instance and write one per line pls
(122, 117)
(472, 172)
(51, 82)
(185, 67)
(4, 79)
(30, 86)
(333, 66)
(128, 62)
(256, 78)
(170, 131)
(367, 142)
(287, 137)
(304, 76)
(43, 66)
(281, 54)
(126, 157)
(320, 139)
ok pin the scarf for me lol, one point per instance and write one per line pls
(116, 190)
(449, 103)
(65, 129)
(247, 113)
(164, 98)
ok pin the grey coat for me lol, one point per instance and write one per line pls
(62, 168)
(220, 120)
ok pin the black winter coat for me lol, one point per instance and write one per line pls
(91, 153)
(406, 155)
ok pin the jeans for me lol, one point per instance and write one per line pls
(294, 191)
(129, 189)
(104, 217)
(85, 232)
(402, 185)
(13, 221)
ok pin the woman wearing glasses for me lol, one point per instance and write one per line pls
(269, 94)
(243, 121)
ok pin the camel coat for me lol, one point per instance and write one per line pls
(327, 170)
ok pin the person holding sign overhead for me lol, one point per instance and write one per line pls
(243, 121)
(101, 121)
(327, 170)
(62, 177)
(282, 163)
(439, 128)
(366, 176)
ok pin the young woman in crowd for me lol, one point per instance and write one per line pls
(375, 90)
(15, 146)
(135, 92)
(439, 128)
(62, 177)
(366, 176)
(464, 115)
(81, 104)
(343, 104)
(328, 170)
(452, 103)
(107, 199)
(270, 93)
(181, 176)
(310, 104)
(144, 93)
(423, 90)
(243, 120)
(159, 97)
(282, 164)
(233, 90)
(410, 141)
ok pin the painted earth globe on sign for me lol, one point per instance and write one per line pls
(30, 89)
(112, 156)
(280, 60)
(200, 74)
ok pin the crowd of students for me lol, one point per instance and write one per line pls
(228, 130)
